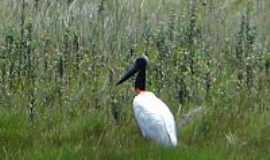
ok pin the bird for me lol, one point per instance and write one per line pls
(154, 118)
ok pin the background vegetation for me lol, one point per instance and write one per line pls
(59, 61)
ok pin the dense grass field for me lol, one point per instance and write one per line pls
(60, 60)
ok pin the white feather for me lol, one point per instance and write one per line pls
(155, 119)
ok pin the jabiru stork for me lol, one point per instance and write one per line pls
(153, 116)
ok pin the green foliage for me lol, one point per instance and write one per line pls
(59, 61)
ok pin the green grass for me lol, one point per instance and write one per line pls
(89, 136)
(59, 62)
(81, 139)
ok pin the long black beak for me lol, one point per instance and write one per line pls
(131, 71)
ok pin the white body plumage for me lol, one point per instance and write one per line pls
(154, 119)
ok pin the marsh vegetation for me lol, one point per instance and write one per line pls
(59, 61)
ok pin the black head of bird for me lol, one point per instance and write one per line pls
(138, 67)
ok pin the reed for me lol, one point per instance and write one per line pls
(59, 61)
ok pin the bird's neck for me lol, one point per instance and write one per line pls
(140, 81)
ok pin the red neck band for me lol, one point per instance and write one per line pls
(138, 91)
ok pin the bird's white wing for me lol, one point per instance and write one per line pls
(152, 125)
(155, 119)
(169, 121)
